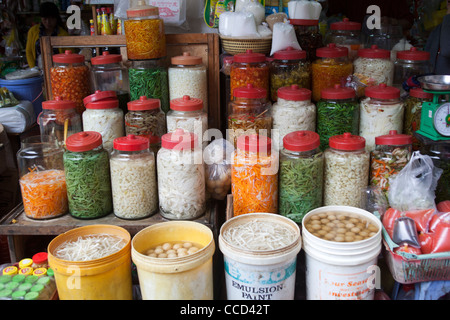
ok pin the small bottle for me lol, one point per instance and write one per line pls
(40, 260)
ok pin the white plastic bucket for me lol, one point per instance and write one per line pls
(260, 275)
(341, 270)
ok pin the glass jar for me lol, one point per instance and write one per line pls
(225, 82)
(146, 119)
(88, 178)
(187, 76)
(301, 175)
(254, 175)
(308, 36)
(380, 112)
(249, 113)
(293, 111)
(144, 33)
(337, 113)
(413, 112)
(41, 177)
(59, 119)
(346, 171)
(289, 67)
(391, 155)
(70, 78)
(346, 33)
(410, 63)
(149, 78)
(109, 74)
(181, 176)
(104, 116)
(330, 68)
(250, 68)
(133, 178)
(374, 66)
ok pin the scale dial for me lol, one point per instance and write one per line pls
(442, 119)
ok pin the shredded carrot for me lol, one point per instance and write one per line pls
(44, 194)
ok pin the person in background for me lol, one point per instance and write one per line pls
(438, 45)
(51, 25)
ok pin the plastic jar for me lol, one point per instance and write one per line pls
(109, 74)
(289, 67)
(144, 32)
(70, 78)
(374, 66)
(301, 175)
(391, 154)
(149, 78)
(346, 33)
(413, 112)
(381, 111)
(188, 76)
(308, 36)
(249, 113)
(346, 170)
(254, 176)
(337, 113)
(133, 178)
(330, 68)
(41, 177)
(88, 179)
(292, 112)
(181, 176)
(59, 119)
(146, 119)
(410, 63)
(249, 68)
(40, 260)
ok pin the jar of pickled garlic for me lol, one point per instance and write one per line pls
(337, 113)
(133, 178)
(249, 68)
(70, 78)
(346, 171)
(413, 112)
(374, 66)
(254, 175)
(308, 36)
(146, 119)
(181, 176)
(301, 175)
(410, 63)
(249, 113)
(331, 67)
(346, 33)
(41, 177)
(59, 119)
(289, 67)
(144, 32)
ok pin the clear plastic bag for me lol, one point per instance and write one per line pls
(217, 156)
(284, 37)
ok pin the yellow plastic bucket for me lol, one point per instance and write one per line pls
(182, 278)
(107, 278)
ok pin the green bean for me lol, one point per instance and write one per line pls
(152, 83)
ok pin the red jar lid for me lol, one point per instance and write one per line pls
(419, 93)
(131, 143)
(290, 54)
(187, 59)
(304, 22)
(179, 140)
(68, 57)
(58, 104)
(106, 58)
(101, 100)
(250, 92)
(186, 103)
(83, 141)
(40, 257)
(144, 103)
(347, 142)
(374, 53)
(394, 139)
(142, 10)
(382, 91)
(254, 143)
(338, 93)
(413, 54)
(249, 57)
(332, 51)
(301, 141)
(345, 24)
(294, 93)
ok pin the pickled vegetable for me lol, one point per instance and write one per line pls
(387, 164)
(299, 74)
(257, 75)
(152, 83)
(326, 73)
(145, 39)
(149, 124)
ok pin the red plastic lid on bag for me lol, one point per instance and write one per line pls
(332, 51)
(338, 93)
(144, 103)
(179, 140)
(186, 103)
(106, 58)
(186, 59)
(374, 53)
(84, 141)
(301, 141)
(304, 22)
(58, 104)
(413, 54)
(68, 57)
(294, 93)
(394, 139)
(382, 91)
(347, 142)
(101, 100)
(419, 93)
(250, 92)
(249, 57)
(345, 24)
(254, 143)
(290, 54)
(131, 143)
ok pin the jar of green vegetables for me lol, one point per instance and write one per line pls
(301, 175)
(337, 112)
(86, 166)
(413, 112)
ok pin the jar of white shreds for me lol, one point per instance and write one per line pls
(346, 170)
(375, 64)
(133, 178)
(181, 176)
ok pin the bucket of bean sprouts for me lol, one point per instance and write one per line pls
(260, 256)
(92, 263)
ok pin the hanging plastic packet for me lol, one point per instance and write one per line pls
(213, 10)
(284, 37)
(253, 6)
(217, 157)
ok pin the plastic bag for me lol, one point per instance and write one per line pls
(284, 37)
(238, 24)
(120, 8)
(253, 6)
(217, 156)
(173, 12)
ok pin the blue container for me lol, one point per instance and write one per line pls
(31, 89)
